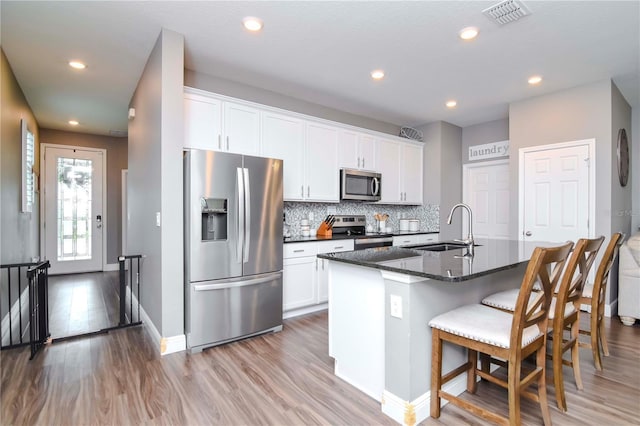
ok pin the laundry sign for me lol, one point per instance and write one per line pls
(489, 150)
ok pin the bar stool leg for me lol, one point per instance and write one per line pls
(436, 372)
(575, 354)
(541, 359)
(471, 373)
(558, 379)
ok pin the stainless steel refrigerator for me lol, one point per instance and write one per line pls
(233, 247)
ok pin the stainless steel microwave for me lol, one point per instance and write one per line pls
(358, 185)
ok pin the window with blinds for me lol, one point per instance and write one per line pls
(28, 159)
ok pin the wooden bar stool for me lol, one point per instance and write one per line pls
(594, 296)
(511, 337)
(563, 313)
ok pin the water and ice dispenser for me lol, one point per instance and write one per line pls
(214, 219)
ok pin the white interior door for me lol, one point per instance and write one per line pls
(73, 209)
(555, 192)
(486, 191)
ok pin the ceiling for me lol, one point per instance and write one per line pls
(322, 52)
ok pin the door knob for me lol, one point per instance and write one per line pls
(99, 221)
(528, 233)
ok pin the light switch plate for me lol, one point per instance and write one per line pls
(157, 218)
(395, 306)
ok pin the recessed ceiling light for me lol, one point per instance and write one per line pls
(535, 79)
(377, 74)
(451, 104)
(77, 65)
(468, 33)
(252, 23)
(73, 122)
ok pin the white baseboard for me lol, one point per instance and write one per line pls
(609, 308)
(166, 345)
(111, 267)
(303, 311)
(414, 412)
(23, 303)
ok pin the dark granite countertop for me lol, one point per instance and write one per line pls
(301, 239)
(490, 256)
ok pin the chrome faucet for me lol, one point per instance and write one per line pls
(469, 241)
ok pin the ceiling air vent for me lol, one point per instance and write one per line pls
(506, 11)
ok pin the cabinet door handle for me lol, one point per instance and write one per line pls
(302, 190)
(358, 162)
(299, 251)
(316, 263)
(219, 141)
(338, 247)
(406, 241)
(227, 143)
(363, 162)
(308, 191)
(323, 264)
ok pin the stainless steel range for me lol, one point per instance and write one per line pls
(355, 226)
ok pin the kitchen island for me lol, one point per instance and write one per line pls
(380, 303)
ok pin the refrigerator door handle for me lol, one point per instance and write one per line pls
(243, 283)
(240, 218)
(247, 216)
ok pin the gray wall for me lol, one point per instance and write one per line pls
(442, 173)
(155, 183)
(582, 112)
(479, 134)
(590, 111)
(277, 100)
(635, 167)
(116, 162)
(19, 232)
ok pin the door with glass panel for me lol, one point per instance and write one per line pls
(73, 211)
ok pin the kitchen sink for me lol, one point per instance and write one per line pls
(441, 247)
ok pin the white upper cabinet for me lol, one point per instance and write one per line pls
(313, 150)
(388, 155)
(202, 122)
(213, 124)
(356, 150)
(283, 138)
(321, 163)
(400, 164)
(411, 173)
(241, 129)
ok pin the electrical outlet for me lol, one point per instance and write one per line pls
(395, 306)
(331, 210)
(157, 218)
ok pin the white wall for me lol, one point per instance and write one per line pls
(155, 183)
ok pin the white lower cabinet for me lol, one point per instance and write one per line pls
(413, 239)
(306, 277)
(299, 282)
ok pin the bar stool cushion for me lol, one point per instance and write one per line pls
(483, 324)
(505, 300)
(568, 309)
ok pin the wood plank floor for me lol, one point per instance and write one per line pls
(82, 303)
(277, 379)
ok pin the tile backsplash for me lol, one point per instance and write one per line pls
(428, 215)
